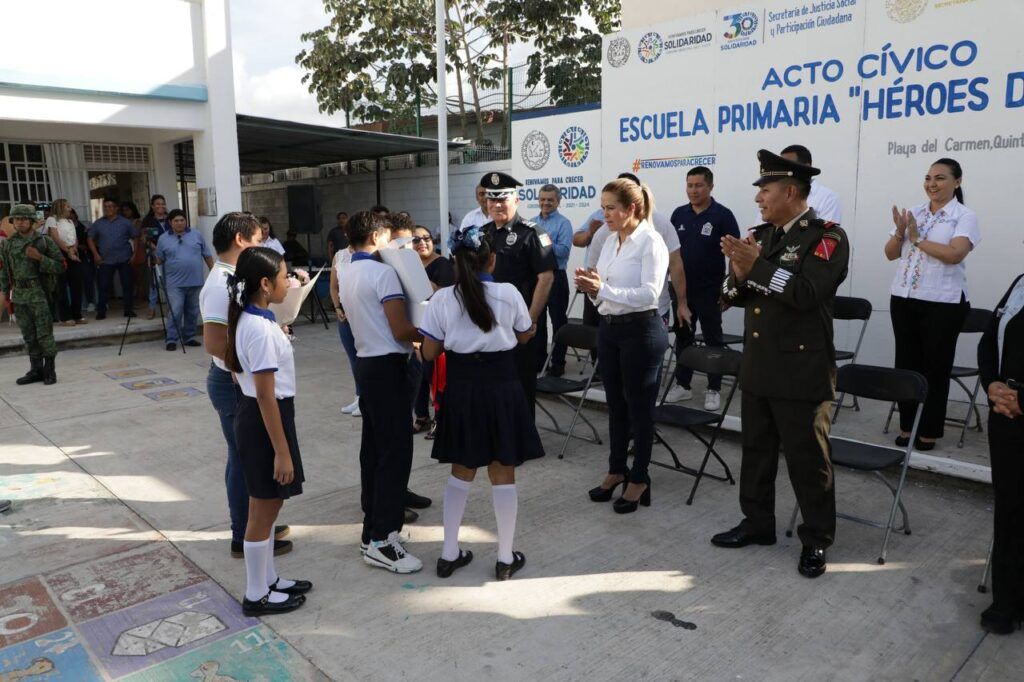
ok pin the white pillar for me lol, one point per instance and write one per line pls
(216, 148)
(440, 13)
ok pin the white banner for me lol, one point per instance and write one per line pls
(876, 90)
(561, 147)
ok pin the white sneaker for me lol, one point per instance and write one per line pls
(351, 407)
(678, 394)
(363, 546)
(356, 412)
(712, 400)
(391, 555)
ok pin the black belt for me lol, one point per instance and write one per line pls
(629, 317)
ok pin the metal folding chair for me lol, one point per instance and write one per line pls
(975, 323)
(983, 585)
(584, 338)
(892, 385)
(710, 360)
(849, 308)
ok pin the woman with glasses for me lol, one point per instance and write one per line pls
(182, 252)
(441, 274)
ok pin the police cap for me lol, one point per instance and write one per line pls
(774, 167)
(499, 185)
(23, 211)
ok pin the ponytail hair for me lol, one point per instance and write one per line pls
(255, 264)
(471, 250)
(958, 173)
(628, 190)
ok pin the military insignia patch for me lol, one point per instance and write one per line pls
(790, 257)
(512, 238)
(826, 247)
(833, 235)
(495, 179)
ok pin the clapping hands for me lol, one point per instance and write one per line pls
(906, 224)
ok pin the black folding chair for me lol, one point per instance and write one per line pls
(580, 337)
(983, 585)
(849, 308)
(975, 323)
(892, 385)
(710, 360)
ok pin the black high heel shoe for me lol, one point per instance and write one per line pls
(624, 506)
(600, 494)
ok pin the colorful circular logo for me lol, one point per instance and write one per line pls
(574, 146)
(535, 150)
(618, 52)
(649, 48)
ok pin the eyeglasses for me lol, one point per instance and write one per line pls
(420, 240)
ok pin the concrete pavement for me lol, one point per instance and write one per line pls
(120, 522)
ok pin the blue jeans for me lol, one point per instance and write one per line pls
(183, 303)
(630, 362)
(154, 291)
(349, 343)
(224, 394)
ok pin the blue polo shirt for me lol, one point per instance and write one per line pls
(560, 230)
(700, 236)
(183, 258)
(113, 239)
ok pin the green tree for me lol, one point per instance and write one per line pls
(376, 58)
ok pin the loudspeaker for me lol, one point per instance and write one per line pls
(304, 209)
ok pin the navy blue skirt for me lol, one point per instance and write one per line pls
(256, 451)
(484, 416)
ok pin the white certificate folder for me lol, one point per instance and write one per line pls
(413, 278)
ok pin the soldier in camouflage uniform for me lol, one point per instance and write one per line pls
(29, 263)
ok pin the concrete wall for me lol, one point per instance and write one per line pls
(413, 190)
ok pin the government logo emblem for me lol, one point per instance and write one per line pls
(535, 150)
(650, 47)
(574, 146)
(904, 11)
(739, 25)
(618, 52)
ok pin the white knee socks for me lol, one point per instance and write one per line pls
(259, 564)
(455, 495)
(506, 506)
(272, 577)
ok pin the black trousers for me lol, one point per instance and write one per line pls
(385, 453)
(631, 356)
(926, 334)
(1006, 448)
(706, 311)
(69, 292)
(801, 428)
(106, 285)
(422, 406)
(557, 308)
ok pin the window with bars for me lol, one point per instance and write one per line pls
(23, 175)
(116, 157)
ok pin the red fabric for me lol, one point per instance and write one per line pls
(826, 247)
(437, 385)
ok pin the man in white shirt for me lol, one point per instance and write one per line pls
(232, 234)
(825, 202)
(478, 217)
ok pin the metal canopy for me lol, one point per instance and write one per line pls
(266, 144)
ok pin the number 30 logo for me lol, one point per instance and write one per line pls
(740, 25)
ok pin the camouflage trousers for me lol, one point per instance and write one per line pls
(36, 323)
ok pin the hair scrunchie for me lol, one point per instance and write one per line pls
(236, 289)
(469, 238)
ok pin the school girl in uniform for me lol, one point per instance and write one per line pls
(261, 356)
(484, 418)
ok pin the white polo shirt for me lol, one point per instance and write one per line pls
(342, 258)
(476, 217)
(447, 321)
(633, 275)
(364, 287)
(262, 346)
(922, 277)
(214, 298)
(826, 203)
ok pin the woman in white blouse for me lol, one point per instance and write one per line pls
(632, 340)
(929, 292)
(61, 230)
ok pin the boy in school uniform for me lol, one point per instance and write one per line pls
(373, 300)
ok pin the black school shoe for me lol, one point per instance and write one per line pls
(999, 621)
(414, 501)
(192, 343)
(300, 587)
(506, 571)
(446, 568)
(812, 562)
(171, 346)
(410, 516)
(265, 607)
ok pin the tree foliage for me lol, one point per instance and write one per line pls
(376, 58)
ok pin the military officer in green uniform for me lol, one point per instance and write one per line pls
(525, 258)
(29, 263)
(785, 275)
